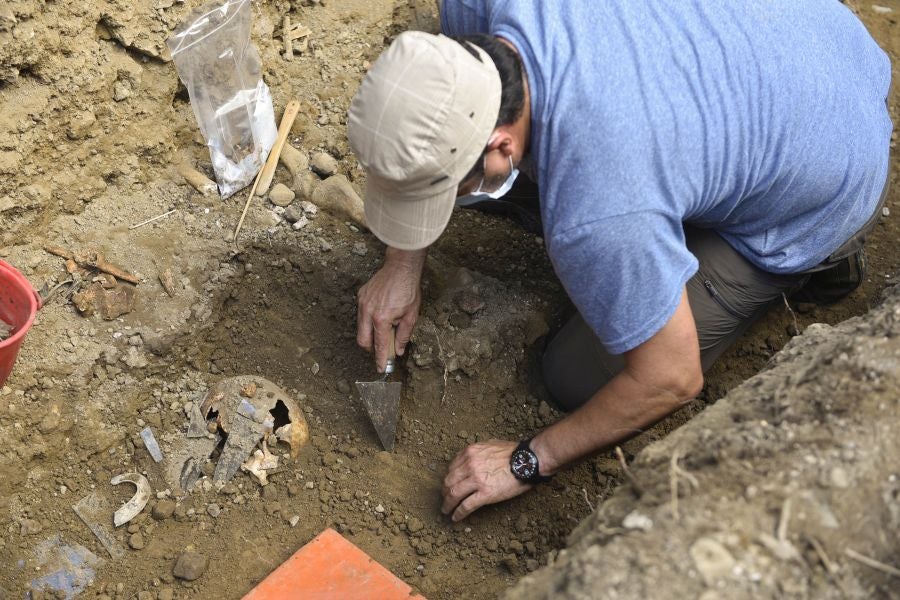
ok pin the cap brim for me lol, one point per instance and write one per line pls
(407, 224)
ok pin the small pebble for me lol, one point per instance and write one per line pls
(300, 223)
(281, 195)
(190, 566)
(213, 510)
(293, 213)
(136, 541)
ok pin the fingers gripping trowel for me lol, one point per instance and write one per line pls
(382, 400)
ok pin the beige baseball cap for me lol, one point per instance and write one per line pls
(418, 123)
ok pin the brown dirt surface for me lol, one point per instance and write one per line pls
(93, 124)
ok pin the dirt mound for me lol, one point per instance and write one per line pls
(783, 489)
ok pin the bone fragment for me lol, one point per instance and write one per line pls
(93, 260)
(260, 463)
(133, 507)
(335, 194)
(295, 161)
(168, 282)
(198, 180)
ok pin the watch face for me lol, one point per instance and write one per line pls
(524, 464)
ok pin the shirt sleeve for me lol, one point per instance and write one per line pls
(462, 17)
(625, 274)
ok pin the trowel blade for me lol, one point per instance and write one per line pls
(382, 402)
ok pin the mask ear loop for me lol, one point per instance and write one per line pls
(483, 170)
(512, 168)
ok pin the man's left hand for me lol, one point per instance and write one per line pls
(480, 475)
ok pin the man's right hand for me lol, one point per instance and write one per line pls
(390, 298)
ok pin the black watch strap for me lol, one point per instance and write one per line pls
(536, 477)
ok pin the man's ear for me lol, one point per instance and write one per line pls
(501, 139)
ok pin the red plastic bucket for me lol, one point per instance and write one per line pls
(19, 304)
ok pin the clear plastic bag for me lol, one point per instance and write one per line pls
(221, 70)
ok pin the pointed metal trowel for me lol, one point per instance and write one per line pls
(381, 399)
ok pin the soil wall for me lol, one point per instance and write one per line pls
(785, 488)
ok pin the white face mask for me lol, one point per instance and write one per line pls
(478, 195)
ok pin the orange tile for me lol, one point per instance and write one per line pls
(331, 568)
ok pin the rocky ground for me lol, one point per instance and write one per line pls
(93, 127)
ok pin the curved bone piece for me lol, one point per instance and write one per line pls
(133, 507)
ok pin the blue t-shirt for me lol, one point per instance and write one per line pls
(764, 120)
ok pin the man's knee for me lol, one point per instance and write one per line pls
(575, 365)
(555, 380)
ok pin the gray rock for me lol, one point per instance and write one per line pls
(281, 195)
(324, 164)
(294, 213)
(213, 510)
(360, 249)
(190, 566)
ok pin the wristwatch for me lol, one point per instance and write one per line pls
(524, 464)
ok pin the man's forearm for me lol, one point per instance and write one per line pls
(660, 376)
(622, 409)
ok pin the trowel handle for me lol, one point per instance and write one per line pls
(392, 352)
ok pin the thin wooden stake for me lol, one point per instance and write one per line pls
(268, 169)
(156, 218)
